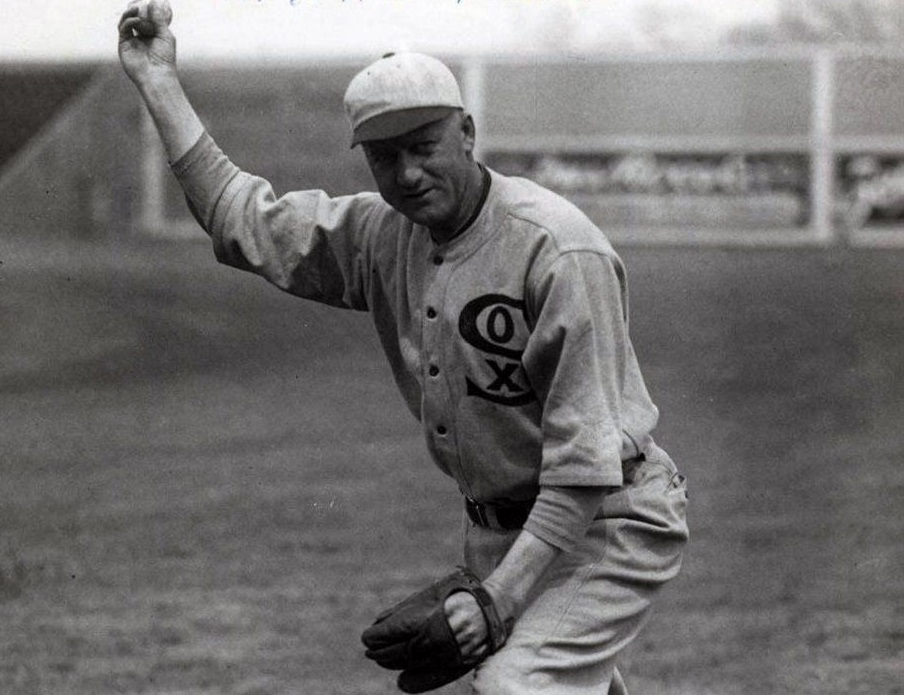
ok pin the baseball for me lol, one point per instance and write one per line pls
(150, 12)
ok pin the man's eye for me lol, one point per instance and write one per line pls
(382, 158)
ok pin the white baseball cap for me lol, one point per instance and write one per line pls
(399, 93)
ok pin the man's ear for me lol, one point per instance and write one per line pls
(469, 132)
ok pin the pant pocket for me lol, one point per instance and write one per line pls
(649, 516)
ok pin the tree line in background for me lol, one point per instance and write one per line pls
(666, 25)
(827, 21)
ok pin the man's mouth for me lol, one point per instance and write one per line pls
(417, 195)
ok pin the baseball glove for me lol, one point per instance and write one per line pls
(415, 636)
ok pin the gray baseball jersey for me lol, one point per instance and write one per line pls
(509, 343)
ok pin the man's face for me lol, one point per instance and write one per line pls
(428, 174)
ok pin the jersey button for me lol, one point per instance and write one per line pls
(437, 260)
(441, 430)
(434, 370)
(431, 312)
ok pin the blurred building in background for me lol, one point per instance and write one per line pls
(787, 129)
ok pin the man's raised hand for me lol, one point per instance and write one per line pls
(145, 40)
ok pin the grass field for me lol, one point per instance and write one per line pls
(211, 487)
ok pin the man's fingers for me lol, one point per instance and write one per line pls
(477, 654)
(472, 648)
(467, 624)
(128, 26)
(143, 19)
(128, 14)
(473, 652)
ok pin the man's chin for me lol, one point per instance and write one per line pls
(421, 216)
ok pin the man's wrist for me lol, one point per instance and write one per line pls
(159, 82)
(506, 605)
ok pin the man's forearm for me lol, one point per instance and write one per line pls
(511, 582)
(177, 122)
(147, 51)
(509, 586)
(559, 519)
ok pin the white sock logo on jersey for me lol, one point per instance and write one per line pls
(495, 324)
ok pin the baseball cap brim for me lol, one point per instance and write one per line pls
(395, 123)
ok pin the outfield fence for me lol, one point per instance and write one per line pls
(797, 146)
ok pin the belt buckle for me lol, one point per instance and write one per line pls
(477, 512)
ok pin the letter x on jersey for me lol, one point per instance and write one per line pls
(490, 324)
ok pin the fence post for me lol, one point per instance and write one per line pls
(474, 96)
(822, 150)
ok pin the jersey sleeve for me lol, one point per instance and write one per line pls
(562, 515)
(305, 242)
(576, 360)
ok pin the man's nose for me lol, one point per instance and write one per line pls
(408, 171)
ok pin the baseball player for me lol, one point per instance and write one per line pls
(503, 313)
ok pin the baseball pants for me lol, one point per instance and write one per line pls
(592, 602)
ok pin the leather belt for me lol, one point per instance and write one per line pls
(508, 515)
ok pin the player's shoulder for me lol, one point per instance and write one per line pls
(366, 211)
(536, 211)
(381, 231)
